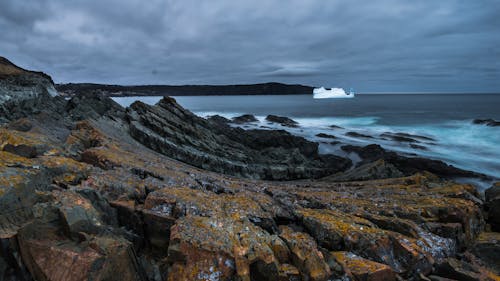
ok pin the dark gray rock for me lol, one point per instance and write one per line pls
(283, 121)
(326, 136)
(407, 165)
(358, 135)
(245, 118)
(265, 154)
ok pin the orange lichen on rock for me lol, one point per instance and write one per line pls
(220, 248)
(305, 255)
(361, 269)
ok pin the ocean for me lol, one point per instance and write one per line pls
(444, 119)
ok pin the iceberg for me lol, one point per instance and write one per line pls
(322, 93)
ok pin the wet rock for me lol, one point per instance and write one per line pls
(246, 118)
(169, 129)
(335, 127)
(326, 136)
(487, 122)
(358, 135)
(408, 165)
(492, 196)
(283, 121)
(217, 119)
(305, 255)
(361, 269)
(398, 138)
(405, 137)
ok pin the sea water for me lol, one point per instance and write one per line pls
(446, 118)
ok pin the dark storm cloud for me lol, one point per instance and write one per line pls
(383, 45)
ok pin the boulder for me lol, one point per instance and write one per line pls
(246, 118)
(283, 121)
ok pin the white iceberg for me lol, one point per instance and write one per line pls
(322, 93)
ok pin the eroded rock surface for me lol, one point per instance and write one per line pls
(82, 198)
(170, 129)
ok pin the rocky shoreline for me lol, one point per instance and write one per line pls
(92, 191)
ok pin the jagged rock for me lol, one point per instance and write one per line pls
(217, 119)
(173, 131)
(169, 220)
(305, 255)
(336, 231)
(246, 118)
(361, 269)
(221, 248)
(49, 256)
(407, 165)
(283, 121)
(492, 196)
(22, 90)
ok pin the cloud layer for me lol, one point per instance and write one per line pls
(374, 46)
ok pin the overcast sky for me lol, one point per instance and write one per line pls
(371, 45)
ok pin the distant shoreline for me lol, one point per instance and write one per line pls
(185, 90)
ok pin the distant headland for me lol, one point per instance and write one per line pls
(271, 88)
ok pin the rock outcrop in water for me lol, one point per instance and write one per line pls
(407, 165)
(82, 199)
(261, 154)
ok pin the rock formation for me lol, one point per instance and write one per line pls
(277, 155)
(83, 198)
